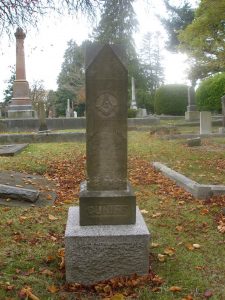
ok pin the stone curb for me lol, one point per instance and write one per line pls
(42, 138)
(199, 191)
(190, 136)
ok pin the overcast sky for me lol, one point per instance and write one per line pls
(45, 47)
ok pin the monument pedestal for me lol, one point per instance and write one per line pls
(95, 253)
(192, 115)
(115, 207)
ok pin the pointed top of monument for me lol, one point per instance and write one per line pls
(20, 34)
(94, 50)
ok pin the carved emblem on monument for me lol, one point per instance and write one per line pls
(106, 105)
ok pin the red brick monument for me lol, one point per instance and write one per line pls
(20, 107)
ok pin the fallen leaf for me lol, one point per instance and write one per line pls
(169, 251)
(161, 257)
(144, 211)
(117, 297)
(175, 288)
(179, 228)
(154, 245)
(188, 297)
(52, 218)
(52, 289)
(156, 215)
(196, 246)
(189, 247)
(27, 291)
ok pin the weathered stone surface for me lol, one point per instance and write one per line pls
(194, 142)
(11, 150)
(106, 98)
(107, 207)
(95, 253)
(205, 122)
(107, 190)
(18, 193)
(192, 115)
(47, 189)
(41, 116)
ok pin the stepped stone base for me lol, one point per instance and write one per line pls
(95, 253)
(192, 115)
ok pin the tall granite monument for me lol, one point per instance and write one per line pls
(106, 236)
(191, 114)
(20, 106)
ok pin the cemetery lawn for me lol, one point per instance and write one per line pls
(187, 235)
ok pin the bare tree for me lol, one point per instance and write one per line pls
(14, 13)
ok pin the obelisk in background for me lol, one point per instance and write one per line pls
(20, 107)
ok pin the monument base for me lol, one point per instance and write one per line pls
(192, 115)
(95, 253)
(114, 207)
(222, 130)
(20, 114)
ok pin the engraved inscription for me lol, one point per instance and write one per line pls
(106, 105)
(107, 210)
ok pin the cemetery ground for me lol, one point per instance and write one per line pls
(187, 234)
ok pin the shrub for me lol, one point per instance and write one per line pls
(171, 99)
(132, 113)
(209, 93)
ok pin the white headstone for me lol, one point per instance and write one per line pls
(205, 122)
(75, 114)
(133, 97)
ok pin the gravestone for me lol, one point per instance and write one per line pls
(133, 95)
(20, 105)
(42, 116)
(205, 122)
(68, 109)
(106, 236)
(11, 150)
(222, 129)
(191, 114)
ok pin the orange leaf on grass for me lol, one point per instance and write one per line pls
(52, 288)
(175, 289)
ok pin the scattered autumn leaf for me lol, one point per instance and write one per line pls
(52, 218)
(196, 246)
(154, 245)
(117, 297)
(27, 291)
(161, 257)
(175, 289)
(169, 251)
(179, 228)
(144, 211)
(52, 288)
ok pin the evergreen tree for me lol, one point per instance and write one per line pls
(117, 25)
(151, 59)
(178, 18)
(8, 93)
(71, 79)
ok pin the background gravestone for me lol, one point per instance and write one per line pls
(95, 248)
(191, 114)
(205, 122)
(20, 106)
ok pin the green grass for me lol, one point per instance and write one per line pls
(30, 241)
